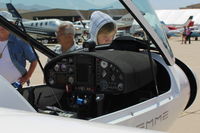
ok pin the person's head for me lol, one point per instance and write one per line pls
(102, 28)
(4, 33)
(65, 34)
(106, 33)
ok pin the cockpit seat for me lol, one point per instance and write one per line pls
(127, 43)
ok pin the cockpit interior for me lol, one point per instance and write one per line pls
(93, 82)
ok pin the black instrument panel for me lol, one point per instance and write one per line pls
(91, 79)
(100, 71)
(83, 72)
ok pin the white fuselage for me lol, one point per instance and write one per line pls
(48, 25)
(157, 113)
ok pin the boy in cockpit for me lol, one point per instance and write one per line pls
(102, 28)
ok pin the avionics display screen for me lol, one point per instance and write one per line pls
(61, 79)
(84, 70)
(82, 73)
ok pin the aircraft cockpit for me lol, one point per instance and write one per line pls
(131, 81)
(90, 79)
(92, 82)
(101, 79)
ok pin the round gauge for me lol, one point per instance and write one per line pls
(63, 67)
(103, 84)
(103, 64)
(120, 86)
(51, 81)
(56, 67)
(71, 80)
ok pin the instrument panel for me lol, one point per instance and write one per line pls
(90, 79)
(85, 73)
(101, 71)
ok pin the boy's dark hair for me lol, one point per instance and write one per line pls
(107, 28)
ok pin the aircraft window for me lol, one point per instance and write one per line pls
(41, 24)
(46, 23)
(32, 24)
(36, 24)
(52, 23)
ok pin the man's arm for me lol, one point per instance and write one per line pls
(30, 71)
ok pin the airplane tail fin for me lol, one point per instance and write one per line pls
(16, 15)
(188, 22)
(191, 23)
(13, 11)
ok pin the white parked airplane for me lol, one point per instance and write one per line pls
(85, 23)
(195, 31)
(48, 27)
(44, 27)
(125, 22)
(131, 82)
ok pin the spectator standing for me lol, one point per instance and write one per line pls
(65, 36)
(188, 35)
(13, 55)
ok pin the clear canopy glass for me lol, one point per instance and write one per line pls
(78, 12)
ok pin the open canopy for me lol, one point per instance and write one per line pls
(128, 15)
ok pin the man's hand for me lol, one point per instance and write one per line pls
(27, 76)
(24, 79)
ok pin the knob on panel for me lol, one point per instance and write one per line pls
(57, 67)
(104, 64)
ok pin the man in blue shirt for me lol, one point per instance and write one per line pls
(13, 55)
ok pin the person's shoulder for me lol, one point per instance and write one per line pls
(16, 40)
(14, 37)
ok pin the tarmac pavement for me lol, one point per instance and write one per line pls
(188, 121)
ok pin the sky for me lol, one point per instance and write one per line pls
(157, 4)
(172, 4)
